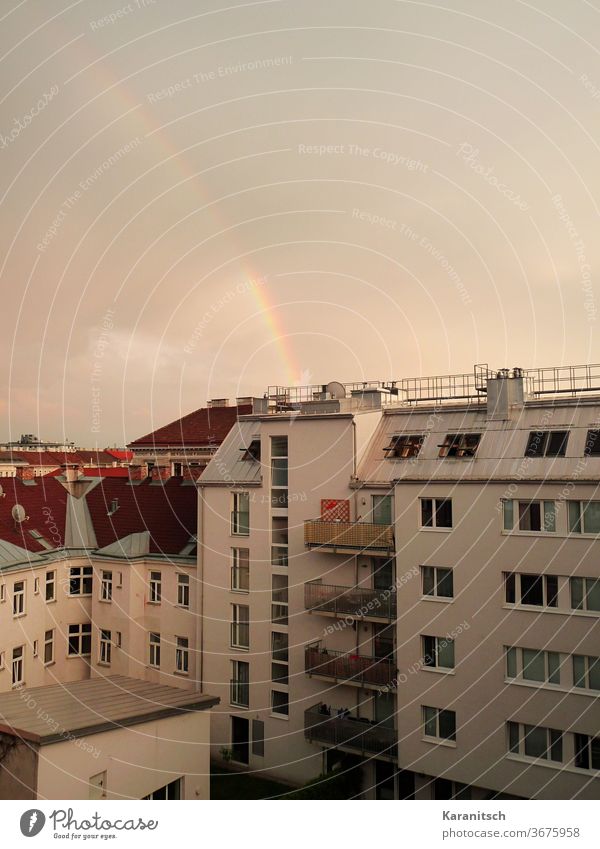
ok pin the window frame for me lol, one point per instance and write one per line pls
(553, 662)
(49, 641)
(154, 586)
(106, 585)
(404, 446)
(105, 647)
(239, 528)
(518, 734)
(154, 646)
(438, 645)
(436, 506)
(84, 633)
(182, 655)
(83, 578)
(183, 590)
(18, 605)
(18, 664)
(50, 583)
(458, 444)
(437, 582)
(545, 439)
(436, 717)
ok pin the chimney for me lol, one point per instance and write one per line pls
(192, 471)
(218, 402)
(71, 471)
(161, 473)
(505, 393)
(137, 473)
(25, 473)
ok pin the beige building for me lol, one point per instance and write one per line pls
(406, 576)
(105, 738)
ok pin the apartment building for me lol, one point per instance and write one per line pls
(403, 578)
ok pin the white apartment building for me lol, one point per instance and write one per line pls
(404, 578)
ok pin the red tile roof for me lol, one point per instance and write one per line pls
(207, 426)
(119, 454)
(45, 507)
(96, 472)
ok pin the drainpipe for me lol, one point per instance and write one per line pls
(200, 588)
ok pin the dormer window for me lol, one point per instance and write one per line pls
(402, 447)
(547, 443)
(252, 452)
(460, 445)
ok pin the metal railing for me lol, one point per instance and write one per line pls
(360, 536)
(361, 669)
(239, 693)
(357, 602)
(365, 736)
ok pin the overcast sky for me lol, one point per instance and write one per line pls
(200, 199)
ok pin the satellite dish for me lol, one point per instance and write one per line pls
(336, 390)
(18, 513)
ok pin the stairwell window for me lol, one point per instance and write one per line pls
(239, 691)
(19, 598)
(105, 647)
(279, 541)
(182, 655)
(240, 514)
(460, 445)
(403, 447)
(437, 582)
(586, 672)
(155, 588)
(240, 626)
(535, 741)
(279, 599)
(532, 665)
(547, 443)
(154, 650)
(585, 594)
(439, 724)
(183, 590)
(279, 471)
(240, 570)
(80, 580)
(80, 640)
(584, 517)
(18, 666)
(436, 512)
(438, 652)
(279, 657)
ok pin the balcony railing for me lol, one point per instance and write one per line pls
(358, 669)
(239, 693)
(357, 602)
(349, 732)
(240, 635)
(356, 536)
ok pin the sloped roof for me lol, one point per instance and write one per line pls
(207, 426)
(45, 506)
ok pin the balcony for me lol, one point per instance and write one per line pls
(323, 725)
(359, 670)
(349, 537)
(378, 605)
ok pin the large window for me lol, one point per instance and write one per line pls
(402, 447)
(18, 666)
(584, 517)
(240, 570)
(18, 598)
(80, 639)
(240, 683)
(279, 657)
(183, 589)
(80, 580)
(436, 512)
(437, 581)
(154, 587)
(587, 751)
(439, 723)
(585, 593)
(105, 647)
(586, 672)
(537, 516)
(535, 741)
(547, 443)
(533, 665)
(240, 626)
(279, 471)
(240, 514)
(460, 445)
(182, 655)
(530, 589)
(279, 541)
(438, 652)
(154, 649)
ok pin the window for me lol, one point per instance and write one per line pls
(80, 639)
(535, 741)
(547, 443)
(584, 517)
(586, 672)
(443, 788)
(279, 541)
(80, 580)
(252, 452)
(155, 588)
(183, 590)
(279, 703)
(585, 593)
(279, 657)
(592, 444)
(538, 516)
(182, 655)
(154, 650)
(105, 647)
(439, 723)
(2, 592)
(402, 447)
(240, 570)
(587, 751)
(382, 509)
(460, 445)
(49, 646)
(36, 586)
(35, 648)
(258, 738)
(169, 791)
(536, 590)
(18, 598)
(240, 626)
(106, 585)
(18, 666)
(279, 599)
(436, 512)
(240, 515)
(279, 471)
(533, 665)
(437, 581)
(240, 683)
(438, 652)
